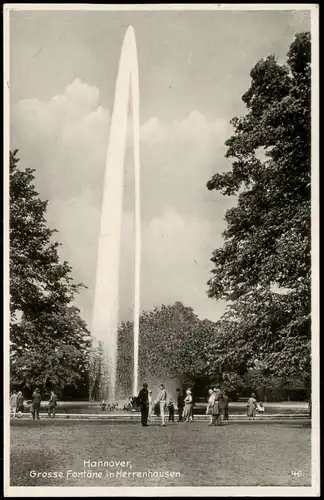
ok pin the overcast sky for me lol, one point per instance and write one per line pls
(193, 69)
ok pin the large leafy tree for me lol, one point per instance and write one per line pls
(174, 344)
(267, 237)
(263, 336)
(49, 339)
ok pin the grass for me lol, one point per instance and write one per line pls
(245, 454)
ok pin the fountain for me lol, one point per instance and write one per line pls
(105, 309)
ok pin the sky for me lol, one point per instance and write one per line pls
(193, 69)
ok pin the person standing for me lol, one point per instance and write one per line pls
(210, 405)
(52, 404)
(13, 403)
(225, 405)
(143, 401)
(251, 407)
(161, 400)
(187, 406)
(180, 405)
(171, 411)
(20, 404)
(37, 398)
(151, 407)
(260, 409)
(216, 410)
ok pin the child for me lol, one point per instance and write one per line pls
(260, 409)
(171, 411)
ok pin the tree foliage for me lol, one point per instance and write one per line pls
(267, 236)
(49, 339)
(39, 281)
(173, 344)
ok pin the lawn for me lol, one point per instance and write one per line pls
(244, 454)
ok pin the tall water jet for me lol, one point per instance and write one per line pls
(105, 309)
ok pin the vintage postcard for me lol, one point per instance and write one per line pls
(161, 250)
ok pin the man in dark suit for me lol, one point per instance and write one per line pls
(37, 398)
(143, 401)
(225, 405)
(52, 404)
(180, 399)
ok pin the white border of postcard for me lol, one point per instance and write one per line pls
(296, 491)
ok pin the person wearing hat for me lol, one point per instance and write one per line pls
(52, 404)
(216, 409)
(143, 401)
(251, 407)
(37, 398)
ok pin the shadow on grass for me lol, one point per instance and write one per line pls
(299, 425)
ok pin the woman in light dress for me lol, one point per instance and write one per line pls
(161, 400)
(210, 405)
(151, 406)
(188, 406)
(13, 403)
(251, 407)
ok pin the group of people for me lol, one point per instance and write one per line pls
(17, 404)
(217, 406)
(145, 401)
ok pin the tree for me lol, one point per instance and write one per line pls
(52, 352)
(173, 344)
(49, 339)
(262, 326)
(267, 238)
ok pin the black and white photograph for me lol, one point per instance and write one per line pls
(161, 201)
